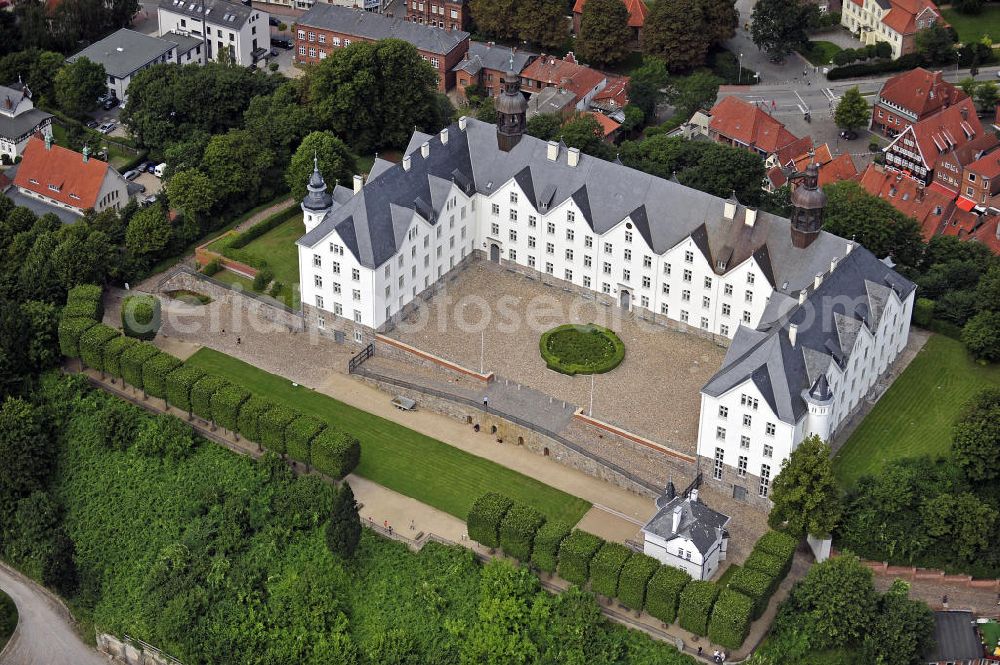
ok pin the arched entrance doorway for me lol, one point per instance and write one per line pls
(494, 253)
(625, 299)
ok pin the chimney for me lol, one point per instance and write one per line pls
(833, 263)
(817, 280)
(729, 209)
(793, 331)
(573, 157)
(965, 112)
(751, 217)
(86, 154)
(463, 123)
(359, 182)
(406, 163)
(694, 495)
(802, 296)
(48, 141)
(425, 150)
(676, 523)
(552, 152)
(444, 136)
(850, 246)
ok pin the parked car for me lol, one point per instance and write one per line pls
(107, 127)
(282, 43)
(274, 53)
(92, 124)
(149, 167)
(149, 200)
(848, 135)
(273, 20)
(159, 169)
(109, 103)
(103, 98)
(131, 175)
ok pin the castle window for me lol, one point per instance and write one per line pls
(586, 281)
(747, 420)
(569, 235)
(724, 329)
(746, 317)
(513, 235)
(628, 254)
(570, 216)
(319, 301)
(768, 451)
(664, 309)
(336, 268)
(666, 268)
(720, 433)
(769, 429)
(647, 261)
(626, 275)
(569, 254)
(726, 309)
(727, 290)
(686, 295)
(750, 278)
(745, 442)
(588, 241)
(628, 236)
(718, 466)
(741, 467)
(687, 275)
(765, 479)
(706, 302)
(551, 228)
(550, 248)
(723, 411)
(318, 281)
(689, 257)
(317, 261)
(496, 208)
(646, 282)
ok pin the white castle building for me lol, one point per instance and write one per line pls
(813, 319)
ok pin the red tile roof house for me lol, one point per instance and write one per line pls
(917, 150)
(931, 208)
(893, 21)
(950, 170)
(327, 27)
(548, 71)
(608, 125)
(831, 169)
(70, 180)
(637, 12)
(911, 97)
(736, 122)
(485, 62)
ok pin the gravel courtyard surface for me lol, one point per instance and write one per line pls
(488, 314)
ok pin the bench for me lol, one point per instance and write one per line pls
(404, 403)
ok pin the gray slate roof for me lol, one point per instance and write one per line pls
(184, 42)
(23, 123)
(955, 638)
(11, 98)
(699, 523)
(373, 26)
(851, 296)
(495, 57)
(218, 12)
(124, 51)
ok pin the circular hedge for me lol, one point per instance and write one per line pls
(575, 349)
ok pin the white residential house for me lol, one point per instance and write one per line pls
(19, 120)
(685, 533)
(226, 27)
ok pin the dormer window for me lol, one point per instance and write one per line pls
(74, 197)
(33, 181)
(54, 188)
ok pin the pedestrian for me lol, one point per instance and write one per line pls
(370, 520)
(486, 403)
(238, 340)
(412, 526)
(699, 651)
(390, 529)
(385, 524)
(944, 601)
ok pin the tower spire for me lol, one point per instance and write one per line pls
(512, 109)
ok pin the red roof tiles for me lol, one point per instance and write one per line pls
(921, 91)
(637, 11)
(60, 174)
(831, 169)
(927, 205)
(565, 73)
(608, 125)
(943, 131)
(987, 166)
(741, 121)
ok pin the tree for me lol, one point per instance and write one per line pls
(585, 133)
(936, 44)
(968, 6)
(976, 437)
(681, 32)
(634, 119)
(78, 85)
(851, 212)
(336, 163)
(15, 336)
(838, 598)
(688, 94)
(83, 256)
(544, 126)
(343, 530)
(781, 26)
(604, 33)
(645, 85)
(902, 632)
(282, 118)
(494, 17)
(981, 335)
(852, 110)
(352, 97)
(986, 95)
(26, 451)
(236, 163)
(542, 22)
(722, 169)
(148, 232)
(191, 192)
(805, 492)
(487, 111)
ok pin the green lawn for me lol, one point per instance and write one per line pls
(229, 277)
(990, 632)
(8, 618)
(116, 157)
(971, 28)
(820, 53)
(399, 458)
(916, 415)
(275, 249)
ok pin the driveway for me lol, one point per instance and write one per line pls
(44, 634)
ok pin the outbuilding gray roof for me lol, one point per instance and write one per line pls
(955, 638)
(23, 123)
(217, 12)
(827, 323)
(369, 25)
(494, 57)
(184, 42)
(699, 524)
(125, 51)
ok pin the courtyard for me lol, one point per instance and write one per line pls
(489, 318)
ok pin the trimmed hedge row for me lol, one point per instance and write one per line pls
(764, 563)
(575, 554)
(257, 230)
(545, 554)
(155, 372)
(113, 352)
(272, 428)
(92, 344)
(140, 316)
(485, 517)
(132, 361)
(71, 329)
(755, 585)
(731, 619)
(201, 395)
(83, 310)
(335, 453)
(695, 606)
(179, 385)
(634, 579)
(88, 294)
(299, 437)
(518, 529)
(226, 403)
(780, 545)
(606, 568)
(664, 591)
(249, 417)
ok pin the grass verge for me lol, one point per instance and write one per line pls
(276, 250)
(972, 27)
(820, 53)
(399, 458)
(8, 619)
(916, 414)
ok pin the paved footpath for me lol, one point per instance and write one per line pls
(44, 634)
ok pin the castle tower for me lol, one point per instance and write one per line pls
(819, 399)
(512, 110)
(808, 201)
(318, 201)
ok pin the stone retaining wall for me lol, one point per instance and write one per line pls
(912, 573)
(217, 291)
(393, 348)
(203, 255)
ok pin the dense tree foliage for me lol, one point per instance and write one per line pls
(805, 492)
(63, 26)
(853, 213)
(78, 85)
(976, 445)
(604, 33)
(682, 32)
(852, 110)
(937, 44)
(781, 26)
(336, 163)
(343, 530)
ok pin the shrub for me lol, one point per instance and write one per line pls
(272, 428)
(765, 563)
(212, 267)
(781, 545)
(116, 424)
(141, 316)
(275, 289)
(260, 228)
(92, 343)
(70, 332)
(132, 362)
(485, 518)
(299, 436)
(575, 349)
(155, 372)
(82, 310)
(248, 421)
(201, 395)
(179, 385)
(755, 585)
(730, 619)
(923, 312)
(664, 591)
(88, 293)
(636, 573)
(335, 453)
(262, 279)
(545, 553)
(606, 568)
(575, 554)
(113, 352)
(518, 529)
(226, 404)
(906, 62)
(695, 606)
